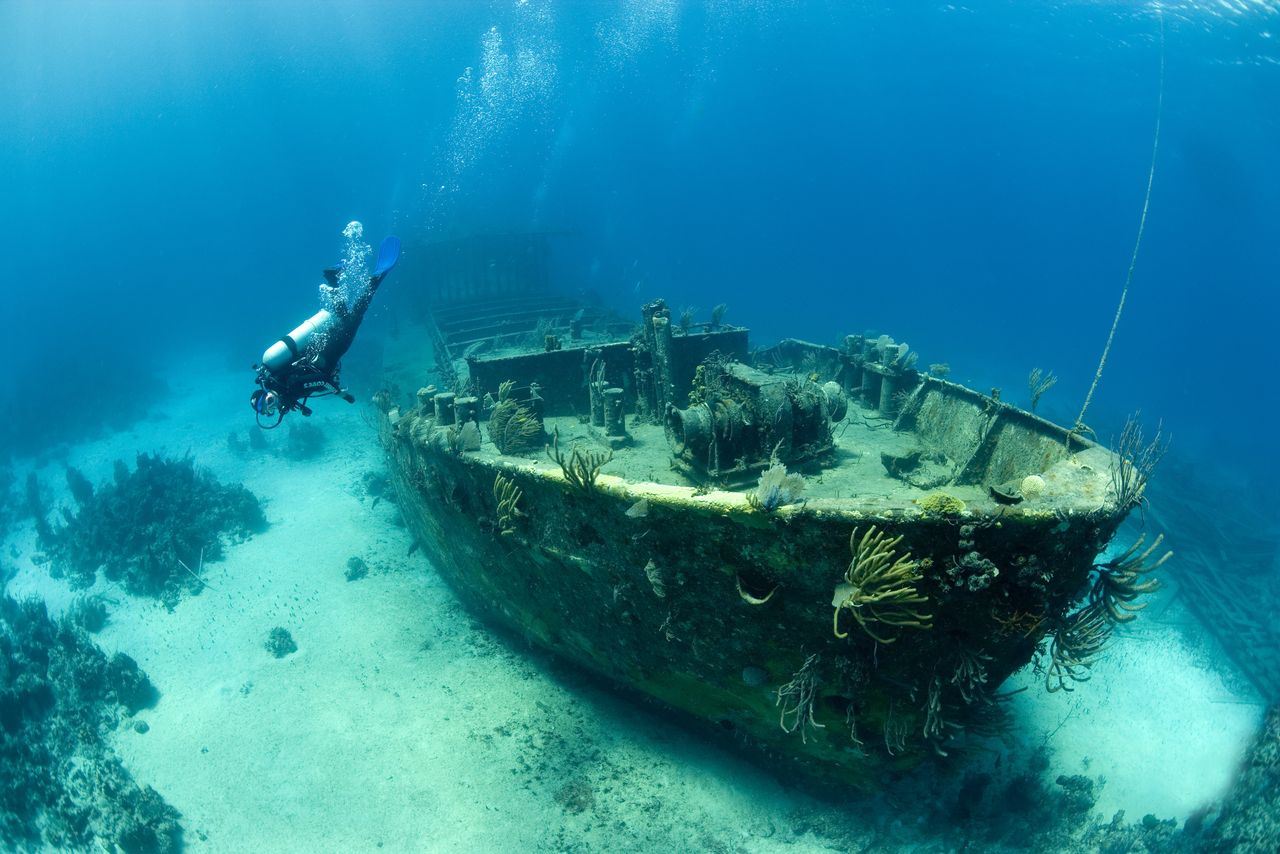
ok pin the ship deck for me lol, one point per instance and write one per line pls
(852, 478)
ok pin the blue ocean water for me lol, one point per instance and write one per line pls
(968, 178)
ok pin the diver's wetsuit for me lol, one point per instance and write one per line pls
(314, 371)
(342, 329)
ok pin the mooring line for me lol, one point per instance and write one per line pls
(1137, 244)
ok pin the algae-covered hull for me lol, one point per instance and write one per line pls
(849, 615)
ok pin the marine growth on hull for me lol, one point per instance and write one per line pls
(828, 552)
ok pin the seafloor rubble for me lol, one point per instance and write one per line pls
(61, 785)
(1250, 820)
(7, 505)
(150, 529)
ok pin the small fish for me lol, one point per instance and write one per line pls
(638, 510)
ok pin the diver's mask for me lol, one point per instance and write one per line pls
(265, 403)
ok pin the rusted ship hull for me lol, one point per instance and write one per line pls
(726, 613)
(820, 550)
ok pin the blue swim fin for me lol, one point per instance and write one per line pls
(388, 256)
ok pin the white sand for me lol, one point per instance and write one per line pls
(1163, 718)
(400, 723)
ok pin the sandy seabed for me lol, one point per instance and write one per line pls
(402, 724)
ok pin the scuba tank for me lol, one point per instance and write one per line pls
(291, 346)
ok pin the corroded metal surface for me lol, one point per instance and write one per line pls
(728, 614)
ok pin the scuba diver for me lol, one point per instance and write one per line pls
(304, 363)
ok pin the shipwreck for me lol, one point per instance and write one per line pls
(824, 551)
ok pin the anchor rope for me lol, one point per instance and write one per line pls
(1137, 244)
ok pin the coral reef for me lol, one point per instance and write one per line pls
(61, 787)
(513, 427)
(775, 489)
(880, 587)
(1016, 803)
(941, 504)
(717, 314)
(89, 612)
(1031, 487)
(8, 502)
(1250, 820)
(149, 527)
(580, 468)
(796, 700)
(1077, 642)
(973, 572)
(507, 495)
(1120, 581)
(356, 569)
(937, 729)
(970, 675)
(81, 489)
(1135, 461)
(280, 643)
(1038, 382)
(687, 314)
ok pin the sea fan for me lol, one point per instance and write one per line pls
(775, 489)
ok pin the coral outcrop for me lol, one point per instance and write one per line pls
(1250, 820)
(775, 489)
(61, 786)
(151, 529)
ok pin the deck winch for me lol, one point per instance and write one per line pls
(741, 419)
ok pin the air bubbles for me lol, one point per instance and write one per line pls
(353, 278)
(639, 24)
(512, 84)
